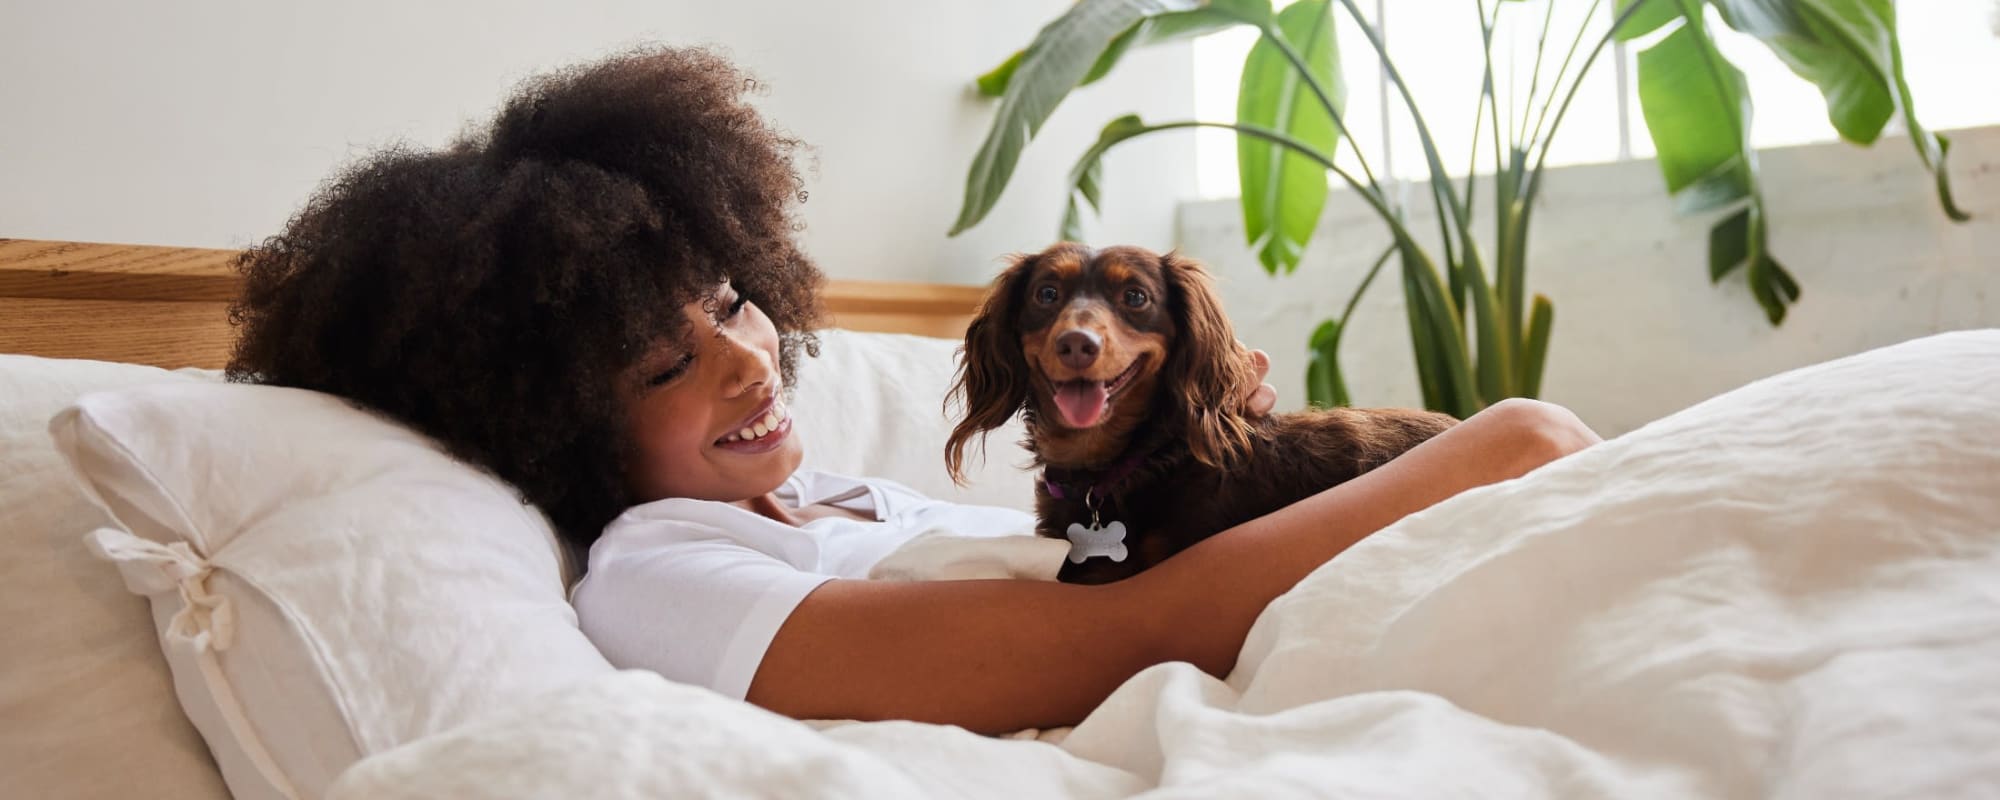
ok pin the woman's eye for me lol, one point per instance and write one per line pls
(668, 375)
(1135, 298)
(1045, 295)
(737, 307)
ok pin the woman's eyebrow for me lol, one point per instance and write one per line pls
(662, 352)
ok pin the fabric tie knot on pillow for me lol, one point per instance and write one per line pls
(206, 621)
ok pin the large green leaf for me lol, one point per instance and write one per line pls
(1647, 19)
(1849, 49)
(1325, 386)
(1059, 58)
(1434, 374)
(1089, 170)
(1284, 191)
(1729, 244)
(1840, 46)
(1151, 30)
(1697, 108)
(1535, 348)
(1739, 241)
(1444, 369)
(1085, 177)
(1931, 148)
(1084, 183)
(1494, 368)
(994, 82)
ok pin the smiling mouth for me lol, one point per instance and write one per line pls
(1082, 402)
(771, 425)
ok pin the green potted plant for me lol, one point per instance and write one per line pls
(1289, 124)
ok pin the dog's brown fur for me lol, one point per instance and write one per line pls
(1202, 465)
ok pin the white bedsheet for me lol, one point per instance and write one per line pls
(1789, 591)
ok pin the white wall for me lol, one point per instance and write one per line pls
(1639, 330)
(206, 122)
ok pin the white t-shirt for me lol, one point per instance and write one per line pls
(696, 589)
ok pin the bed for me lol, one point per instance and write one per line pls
(1789, 590)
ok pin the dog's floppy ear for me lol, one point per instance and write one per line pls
(1208, 371)
(992, 380)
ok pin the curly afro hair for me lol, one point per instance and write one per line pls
(491, 294)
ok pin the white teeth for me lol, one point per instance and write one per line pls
(763, 426)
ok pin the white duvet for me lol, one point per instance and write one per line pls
(1789, 591)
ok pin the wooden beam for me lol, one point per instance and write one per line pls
(168, 305)
(89, 271)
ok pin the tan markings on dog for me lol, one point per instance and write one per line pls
(1064, 264)
(1031, 348)
(1116, 275)
(1082, 312)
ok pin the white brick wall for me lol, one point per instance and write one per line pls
(1639, 331)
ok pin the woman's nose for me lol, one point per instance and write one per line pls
(750, 366)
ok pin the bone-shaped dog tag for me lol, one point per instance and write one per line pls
(1086, 543)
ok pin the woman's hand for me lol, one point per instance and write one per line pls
(1262, 399)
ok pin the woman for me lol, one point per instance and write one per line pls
(599, 298)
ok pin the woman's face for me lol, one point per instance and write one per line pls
(706, 417)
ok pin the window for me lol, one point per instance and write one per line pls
(1950, 52)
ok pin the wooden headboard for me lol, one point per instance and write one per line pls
(167, 306)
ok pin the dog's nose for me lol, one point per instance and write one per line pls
(1078, 349)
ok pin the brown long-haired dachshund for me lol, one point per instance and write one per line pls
(1131, 383)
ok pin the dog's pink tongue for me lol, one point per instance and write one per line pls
(1081, 402)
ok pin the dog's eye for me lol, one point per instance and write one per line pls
(1045, 295)
(1136, 298)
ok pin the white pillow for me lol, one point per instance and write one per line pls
(872, 405)
(326, 584)
(88, 701)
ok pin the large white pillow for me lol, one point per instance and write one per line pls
(87, 700)
(326, 584)
(872, 404)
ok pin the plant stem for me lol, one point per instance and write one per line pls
(1472, 161)
(1277, 38)
(1417, 263)
(1489, 95)
(1535, 77)
(1535, 177)
(1353, 300)
(1347, 316)
(1563, 71)
(1442, 188)
(1374, 200)
(1490, 92)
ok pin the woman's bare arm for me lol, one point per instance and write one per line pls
(1000, 655)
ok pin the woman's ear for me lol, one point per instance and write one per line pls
(992, 380)
(1209, 371)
